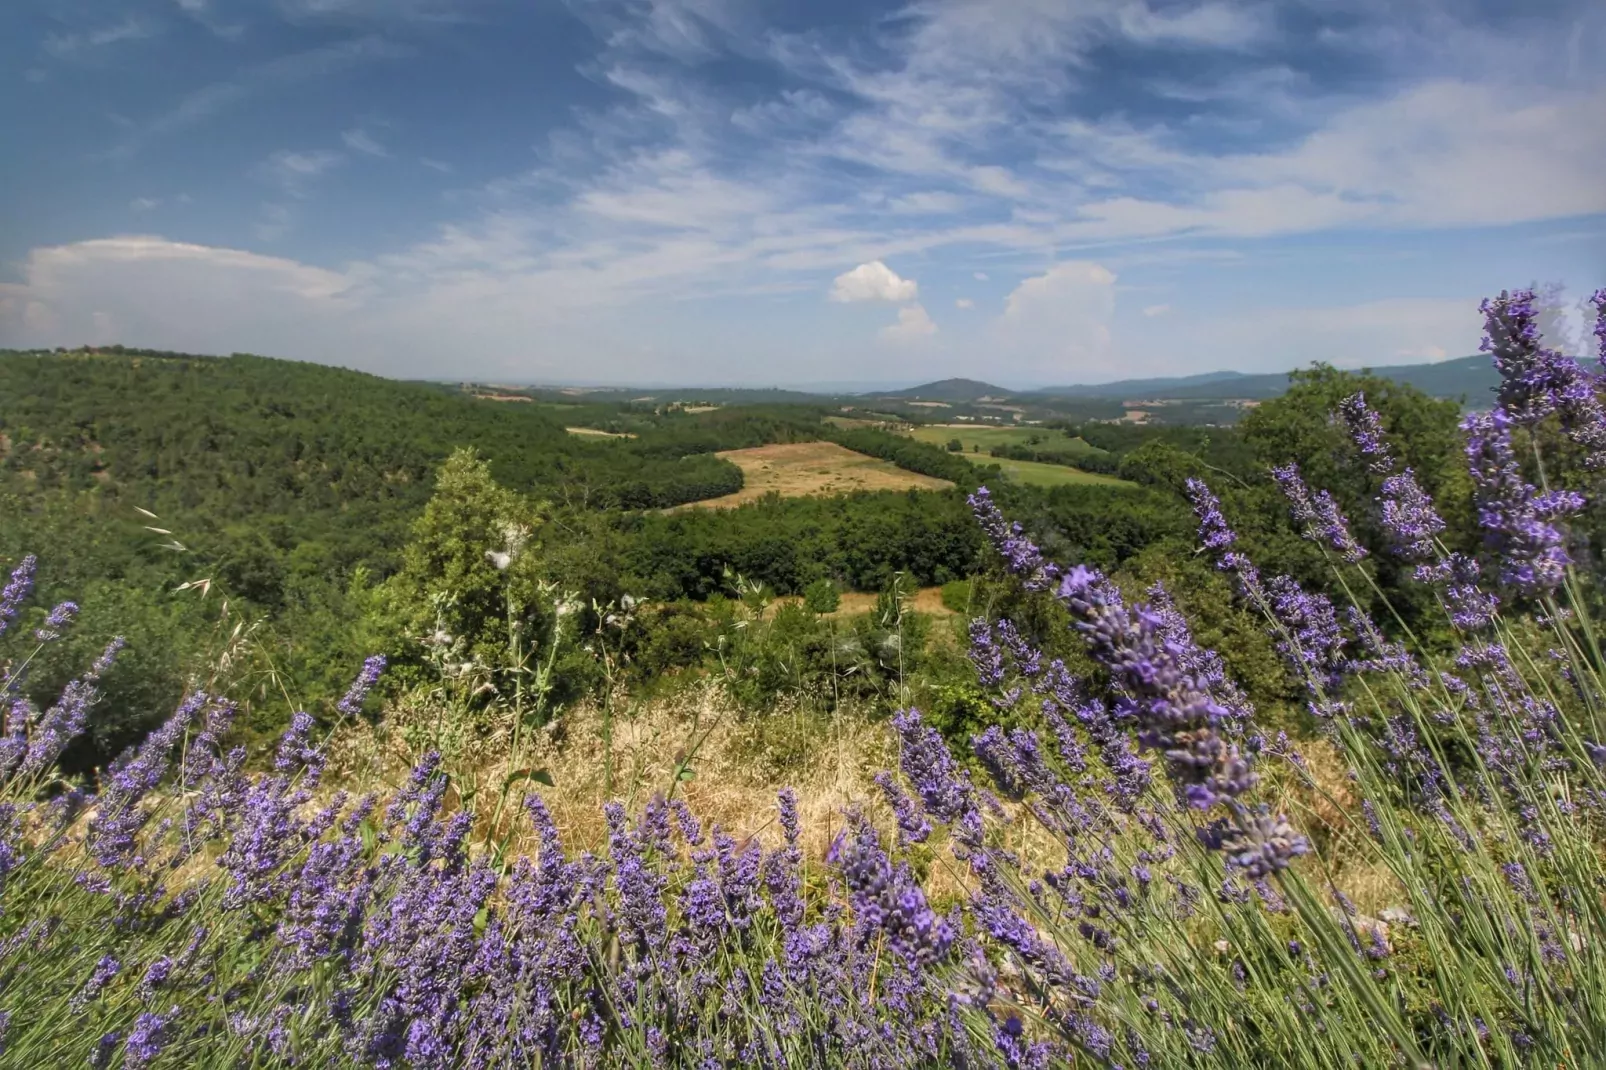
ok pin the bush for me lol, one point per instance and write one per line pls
(955, 446)
(956, 596)
(822, 597)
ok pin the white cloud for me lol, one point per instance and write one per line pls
(913, 324)
(144, 290)
(293, 172)
(929, 203)
(1057, 325)
(1367, 334)
(979, 276)
(130, 29)
(873, 282)
(964, 302)
(144, 204)
(1152, 311)
(436, 165)
(362, 141)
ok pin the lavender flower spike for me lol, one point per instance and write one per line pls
(1535, 380)
(1599, 301)
(1366, 430)
(17, 590)
(1517, 520)
(57, 622)
(351, 704)
(1318, 514)
(1409, 517)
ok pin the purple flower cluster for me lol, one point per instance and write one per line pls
(1318, 515)
(16, 591)
(1519, 522)
(1537, 381)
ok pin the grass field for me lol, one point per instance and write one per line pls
(800, 469)
(987, 437)
(1031, 472)
(1045, 475)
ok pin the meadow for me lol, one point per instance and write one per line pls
(982, 440)
(1314, 776)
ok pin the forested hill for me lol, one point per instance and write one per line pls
(344, 457)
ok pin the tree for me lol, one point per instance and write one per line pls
(822, 597)
(955, 446)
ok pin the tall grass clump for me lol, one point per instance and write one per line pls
(1143, 876)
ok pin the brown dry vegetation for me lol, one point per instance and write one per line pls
(592, 432)
(800, 469)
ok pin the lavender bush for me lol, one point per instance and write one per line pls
(1148, 877)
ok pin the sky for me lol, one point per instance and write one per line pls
(1030, 192)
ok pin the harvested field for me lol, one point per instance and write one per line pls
(801, 469)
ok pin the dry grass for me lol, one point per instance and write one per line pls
(592, 432)
(925, 600)
(802, 469)
(739, 767)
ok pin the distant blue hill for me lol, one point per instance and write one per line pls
(1470, 379)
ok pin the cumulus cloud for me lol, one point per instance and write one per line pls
(913, 324)
(145, 290)
(873, 282)
(1057, 324)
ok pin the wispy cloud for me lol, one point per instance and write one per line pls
(294, 172)
(213, 100)
(360, 140)
(72, 44)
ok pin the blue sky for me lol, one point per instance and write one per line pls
(710, 191)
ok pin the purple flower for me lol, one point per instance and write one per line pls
(1020, 554)
(912, 825)
(351, 704)
(1599, 301)
(1535, 380)
(119, 817)
(1317, 514)
(1366, 430)
(1411, 522)
(296, 748)
(942, 785)
(1175, 714)
(58, 620)
(155, 977)
(147, 1038)
(1213, 529)
(1310, 638)
(1517, 520)
(887, 898)
(16, 591)
(107, 968)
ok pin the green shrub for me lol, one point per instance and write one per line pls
(821, 596)
(956, 596)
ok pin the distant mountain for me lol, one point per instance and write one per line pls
(1470, 378)
(1127, 388)
(951, 390)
